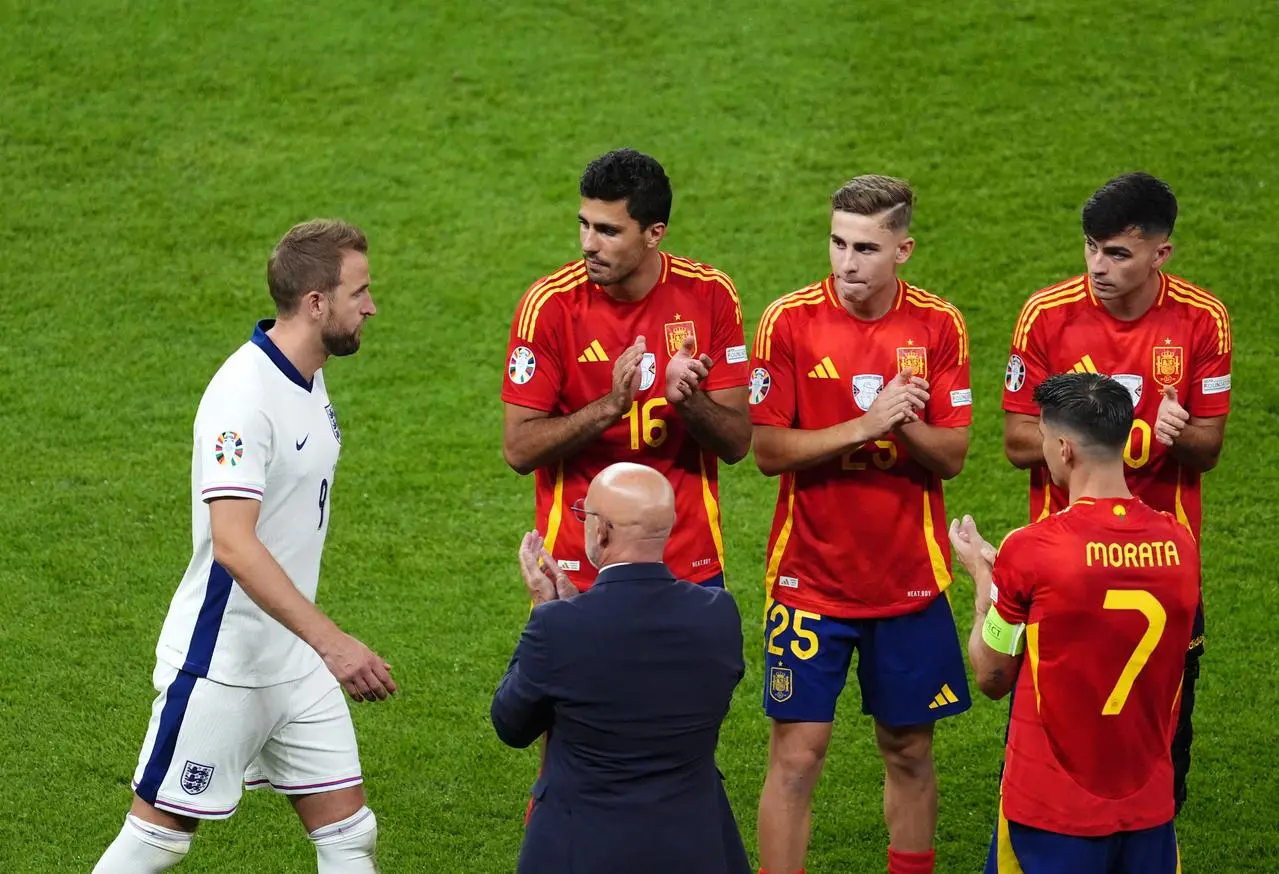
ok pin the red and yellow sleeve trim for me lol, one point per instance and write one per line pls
(929, 301)
(813, 294)
(567, 278)
(690, 269)
(1063, 293)
(1192, 295)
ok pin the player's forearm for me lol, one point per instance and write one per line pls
(257, 572)
(1023, 445)
(1198, 447)
(783, 450)
(721, 429)
(995, 674)
(941, 450)
(548, 439)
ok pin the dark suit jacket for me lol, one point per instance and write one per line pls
(631, 681)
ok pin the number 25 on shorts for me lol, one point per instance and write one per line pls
(805, 644)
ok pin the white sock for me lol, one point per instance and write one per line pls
(143, 848)
(346, 847)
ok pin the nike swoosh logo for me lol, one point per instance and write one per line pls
(302, 442)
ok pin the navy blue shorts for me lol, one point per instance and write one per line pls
(1019, 849)
(715, 582)
(910, 668)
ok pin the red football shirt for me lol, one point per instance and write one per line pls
(1183, 340)
(1107, 590)
(863, 535)
(566, 335)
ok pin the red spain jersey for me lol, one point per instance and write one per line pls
(566, 335)
(1107, 590)
(862, 535)
(1183, 340)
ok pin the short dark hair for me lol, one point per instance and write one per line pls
(874, 195)
(625, 174)
(1092, 406)
(1133, 200)
(309, 258)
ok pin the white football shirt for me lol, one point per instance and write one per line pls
(264, 433)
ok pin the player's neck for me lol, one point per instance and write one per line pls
(1098, 481)
(1137, 303)
(303, 350)
(641, 281)
(874, 307)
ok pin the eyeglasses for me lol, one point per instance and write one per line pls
(579, 510)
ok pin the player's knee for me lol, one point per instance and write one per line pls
(909, 752)
(797, 766)
(347, 847)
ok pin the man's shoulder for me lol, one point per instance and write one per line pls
(240, 377)
(550, 294)
(1047, 304)
(1202, 307)
(796, 306)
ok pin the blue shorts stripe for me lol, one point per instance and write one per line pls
(176, 698)
(715, 582)
(204, 637)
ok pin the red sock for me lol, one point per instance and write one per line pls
(910, 863)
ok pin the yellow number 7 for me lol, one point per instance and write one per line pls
(1146, 604)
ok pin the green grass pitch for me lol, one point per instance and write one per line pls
(151, 153)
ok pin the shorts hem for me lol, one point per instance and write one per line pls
(185, 810)
(315, 788)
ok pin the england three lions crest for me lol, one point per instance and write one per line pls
(196, 777)
(914, 359)
(676, 333)
(333, 423)
(1168, 364)
(780, 684)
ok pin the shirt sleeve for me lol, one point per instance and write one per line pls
(522, 709)
(950, 402)
(1012, 581)
(233, 445)
(1027, 367)
(730, 362)
(772, 385)
(1208, 389)
(534, 354)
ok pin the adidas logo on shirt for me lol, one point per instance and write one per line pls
(593, 352)
(825, 369)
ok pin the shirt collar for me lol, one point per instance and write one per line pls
(278, 358)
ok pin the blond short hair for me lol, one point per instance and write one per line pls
(877, 195)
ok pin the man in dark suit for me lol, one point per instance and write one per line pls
(630, 682)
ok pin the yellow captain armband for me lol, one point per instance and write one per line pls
(1002, 636)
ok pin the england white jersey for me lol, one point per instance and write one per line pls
(261, 432)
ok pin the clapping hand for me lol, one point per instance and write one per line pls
(684, 373)
(1171, 419)
(543, 576)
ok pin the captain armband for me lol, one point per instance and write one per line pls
(1002, 636)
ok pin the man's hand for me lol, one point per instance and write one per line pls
(626, 376)
(897, 403)
(976, 555)
(684, 373)
(543, 576)
(1172, 417)
(361, 671)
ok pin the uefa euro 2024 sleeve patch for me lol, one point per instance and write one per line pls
(761, 382)
(228, 448)
(522, 366)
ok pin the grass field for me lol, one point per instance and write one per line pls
(151, 153)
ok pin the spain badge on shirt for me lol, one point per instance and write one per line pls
(1168, 364)
(676, 333)
(914, 358)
